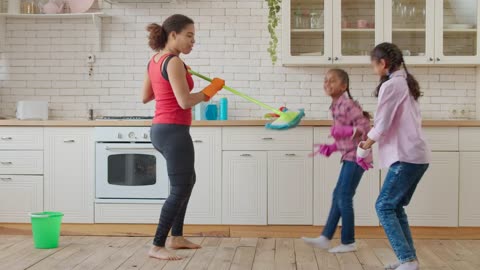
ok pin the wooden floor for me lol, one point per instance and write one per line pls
(83, 252)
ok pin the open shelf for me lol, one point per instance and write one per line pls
(358, 30)
(307, 30)
(409, 30)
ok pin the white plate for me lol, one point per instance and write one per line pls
(80, 6)
(459, 26)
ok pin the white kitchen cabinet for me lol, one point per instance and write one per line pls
(244, 187)
(21, 162)
(205, 206)
(349, 29)
(21, 138)
(69, 173)
(21, 195)
(290, 182)
(469, 187)
(326, 173)
(456, 32)
(435, 202)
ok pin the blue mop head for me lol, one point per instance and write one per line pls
(287, 120)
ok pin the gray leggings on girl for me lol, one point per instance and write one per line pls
(175, 144)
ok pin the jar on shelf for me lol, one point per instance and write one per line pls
(297, 19)
(316, 20)
(306, 19)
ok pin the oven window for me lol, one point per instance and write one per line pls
(132, 170)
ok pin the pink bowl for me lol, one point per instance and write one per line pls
(80, 6)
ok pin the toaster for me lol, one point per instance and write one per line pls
(32, 110)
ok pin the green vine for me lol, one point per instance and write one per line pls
(273, 20)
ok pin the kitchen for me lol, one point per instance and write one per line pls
(90, 64)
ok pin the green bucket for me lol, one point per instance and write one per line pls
(46, 229)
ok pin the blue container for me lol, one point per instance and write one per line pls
(223, 109)
(211, 111)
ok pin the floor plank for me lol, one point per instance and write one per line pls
(285, 254)
(243, 259)
(123, 253)
(304, 256)
(265, 254)
(202, 258)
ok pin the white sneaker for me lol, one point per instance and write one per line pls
(409, 266)
(392, 266)
(321, 242)
(344, 248)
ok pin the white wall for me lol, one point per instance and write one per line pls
(46, 59)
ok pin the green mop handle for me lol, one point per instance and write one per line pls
(239, 93)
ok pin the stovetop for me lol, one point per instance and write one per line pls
(125, 118)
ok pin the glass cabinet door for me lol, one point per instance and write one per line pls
(457, 31)
(307, 32)
(411, 27)
(357, 29)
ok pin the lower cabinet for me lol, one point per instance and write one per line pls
(435, 202)
(244, 187)
(290, 185)
(205, 205)
(326, 173)
(69, 173)
(469, 188)
(21, 195)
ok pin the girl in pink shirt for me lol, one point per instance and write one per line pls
(350, 127)
(402, 148)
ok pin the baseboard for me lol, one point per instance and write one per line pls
(280, 231)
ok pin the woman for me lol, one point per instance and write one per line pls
(168, 82)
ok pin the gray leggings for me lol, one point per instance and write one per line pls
(175, 144)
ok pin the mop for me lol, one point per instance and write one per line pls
(286, 120)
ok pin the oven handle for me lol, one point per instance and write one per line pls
(127, 148)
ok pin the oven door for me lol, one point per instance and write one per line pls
(130, 170)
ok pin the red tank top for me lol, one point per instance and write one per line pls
(167, 109)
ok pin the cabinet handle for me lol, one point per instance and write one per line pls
(245, 155)
(6, 179)
(7, 138)
(329, 58)
(6, 163)
(430, 59)
(197, 141)
(68, 141)
(290, 155)
(267, 139)
(336, 58)
(438, 59)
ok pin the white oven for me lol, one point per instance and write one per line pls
(128, 166)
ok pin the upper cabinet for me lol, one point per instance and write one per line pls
(429, 32)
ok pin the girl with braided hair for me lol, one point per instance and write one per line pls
(402, 148)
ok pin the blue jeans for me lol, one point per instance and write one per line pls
(400, 184)
(342, 203)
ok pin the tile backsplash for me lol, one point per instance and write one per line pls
(46, 59)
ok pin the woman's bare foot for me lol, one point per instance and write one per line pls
(163, 254)
(179, 242)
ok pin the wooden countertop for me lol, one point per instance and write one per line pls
(229, 123)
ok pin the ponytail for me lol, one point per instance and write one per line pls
(393, 58)
(158, 37)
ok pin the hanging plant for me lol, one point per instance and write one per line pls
(273, 20)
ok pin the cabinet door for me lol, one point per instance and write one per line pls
(435, 202)
(307, 32)
(357, 28)
(21, 194)
(205, 203)
(326, 173)
(469, 187)
(290, 182)
(69, 173)
(244, 188)
(411, 25)
(456, 32)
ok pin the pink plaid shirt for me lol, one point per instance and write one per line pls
(347, 112)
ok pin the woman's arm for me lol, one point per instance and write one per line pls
(147, 90)
(177, 74)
